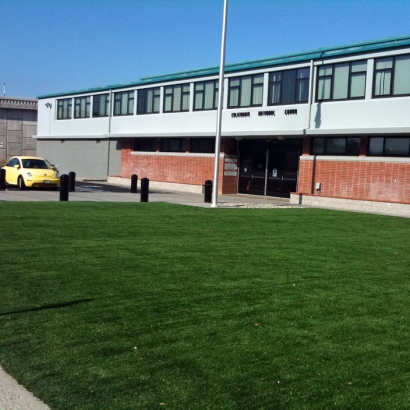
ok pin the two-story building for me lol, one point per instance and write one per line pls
(332, 122)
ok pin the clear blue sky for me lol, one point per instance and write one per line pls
(50, 46)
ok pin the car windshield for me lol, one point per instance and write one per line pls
(35, 163)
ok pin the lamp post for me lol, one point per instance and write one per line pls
(219, 111)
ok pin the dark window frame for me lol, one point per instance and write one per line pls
(202, 94)
(143, 106)
(351, 75)
(97, 105)
(165, 144)
(384, 154)
(200, 145)
(65, 112)
(169, 91)
(298, 83)
(392, 71)
(326, 146)
(239, 88)
(118, 103)
(145, 144)
(78, 107)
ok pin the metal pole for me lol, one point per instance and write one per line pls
(219, 112)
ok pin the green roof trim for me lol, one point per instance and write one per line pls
(318, 54)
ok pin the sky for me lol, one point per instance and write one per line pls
(52, 46)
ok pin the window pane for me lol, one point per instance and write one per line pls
(302, 90)
(335, 145)
(177, 98)
(209, 96)
(275, 76)
(358, 85)
(402, 75)
(185, 102)
(289, 87)
(318, 146)
(258, 79)
(234, 97)
(150, 99)
(234, 82)
(376, 146)
(358, 66)
(353, 146)
(257, 94)
(396, 146)
(303, 73)
(325, 70)
(383, 63)
(340, 81)
(324, 89)
(382, 83)
(275, 93)
(246, 84)
(198, 101)
(168, 103)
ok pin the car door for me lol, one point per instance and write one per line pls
(12, 172)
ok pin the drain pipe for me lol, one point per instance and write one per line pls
(312, 91)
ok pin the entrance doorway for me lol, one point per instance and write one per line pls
(269, 167)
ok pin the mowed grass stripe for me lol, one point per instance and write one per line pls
(141, 306)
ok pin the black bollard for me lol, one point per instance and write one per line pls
(71, 181)
(2, 179)
(144, 189)
(134, 184)
(64, 185)
(208, 191)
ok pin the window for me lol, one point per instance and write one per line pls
(392, 76)
(173, 145)
(176, 98)
(289, 87)
(124, 103)
(148, 100)
(336, 146)
(82, 107)
(206, 95)
(246, 91)
(342, 81)
(145, 144)
(64, 108)
(203, 145)
(389, 146)
(101, 104)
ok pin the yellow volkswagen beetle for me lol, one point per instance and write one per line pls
(25, 171)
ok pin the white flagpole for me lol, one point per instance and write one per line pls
(219, 112)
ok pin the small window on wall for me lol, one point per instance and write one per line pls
(206, 95)
(289, 87)
(64, 109)
(101, 103)
(173, 145)
(124, 103)
(245, 91)
(176, 98)
(392, 76)
(342, 81)
(203, 145)
(148, 101)
(336, 146)
(389, 146)
(82, 107)
(145, 144)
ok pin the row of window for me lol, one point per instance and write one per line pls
(378, 146)
(341, 81)
(196, 145)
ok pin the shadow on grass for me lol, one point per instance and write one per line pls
(51, 306)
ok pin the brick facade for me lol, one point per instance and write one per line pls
(362, 178)
(178, 168)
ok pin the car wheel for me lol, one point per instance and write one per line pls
(21, 183)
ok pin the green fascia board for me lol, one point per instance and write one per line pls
(318, 54)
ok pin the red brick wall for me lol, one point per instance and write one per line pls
(366, 180)
(180, 169)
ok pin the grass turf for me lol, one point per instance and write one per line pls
(146, 306)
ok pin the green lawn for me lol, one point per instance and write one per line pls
(157, 306)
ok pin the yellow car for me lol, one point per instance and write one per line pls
(25, 171)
